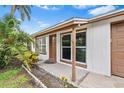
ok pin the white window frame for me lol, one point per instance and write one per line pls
(81, 47)
(38, 41)
(71, 47)
(66, 47)
(43, 45)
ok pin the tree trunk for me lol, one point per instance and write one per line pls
(13, 9)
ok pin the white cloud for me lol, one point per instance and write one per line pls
(42, 24)
(83, 6)
(47, 7)
(101, 10)
(19, 19)
(34, 25)
(43, 7)
(80, 6)
(54, 8)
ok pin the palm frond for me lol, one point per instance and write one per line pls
(13, 9)
(27, 13)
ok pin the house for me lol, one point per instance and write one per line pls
(96, 44)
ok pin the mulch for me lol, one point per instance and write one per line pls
(48, 79)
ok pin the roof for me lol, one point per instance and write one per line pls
(78, 20)
(107, 15)
(71, 21)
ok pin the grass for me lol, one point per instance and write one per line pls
(14, 78)
(10, 73)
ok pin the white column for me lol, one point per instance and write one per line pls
(33, 46)
(58, 43)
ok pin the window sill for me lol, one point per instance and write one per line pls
(43, 53)
(77, 64)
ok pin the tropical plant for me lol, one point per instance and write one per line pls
(13, 41)
(6, 28)
(29, 58)
(65, 81)
(25, 11)
(5, 55)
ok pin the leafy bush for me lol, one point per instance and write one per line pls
(5, 56)
(65, 81)
(28, 58)
(31, 57)
(13, 43)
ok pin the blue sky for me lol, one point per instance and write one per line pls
(45, 15)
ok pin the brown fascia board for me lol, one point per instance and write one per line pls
(64, 24)
(106, 16)
(50, 30)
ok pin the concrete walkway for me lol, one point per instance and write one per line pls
(59, 70)
(85, 79)
(100, 81)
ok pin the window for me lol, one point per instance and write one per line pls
(66, 46)
(66, 50)
(41, 45)
(81, 47)
(38, 43)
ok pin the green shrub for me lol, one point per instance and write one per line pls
(5, 56)
(13, 43)
(28, 58)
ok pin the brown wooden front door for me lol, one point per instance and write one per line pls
(118, 49)
(52, 48)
